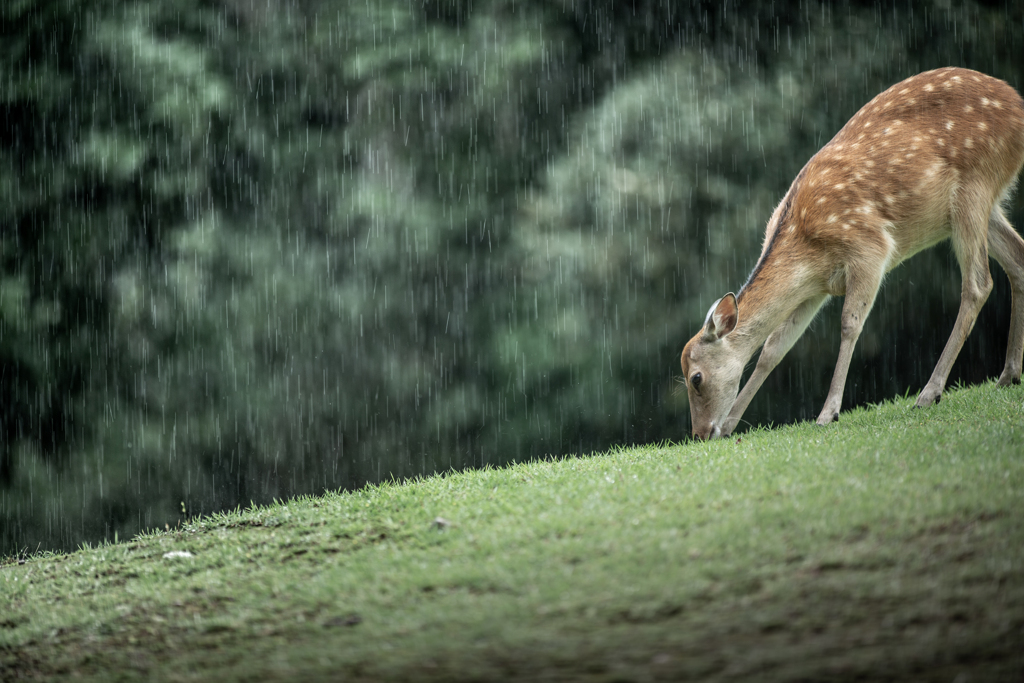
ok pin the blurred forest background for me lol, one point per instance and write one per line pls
(251, 249)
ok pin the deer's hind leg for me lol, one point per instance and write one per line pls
(969, 222)
(1008, 249)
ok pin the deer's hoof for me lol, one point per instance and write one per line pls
(1006, 379)
(825, 418)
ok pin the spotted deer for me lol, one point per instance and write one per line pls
(931, 158)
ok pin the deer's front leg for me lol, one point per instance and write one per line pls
(778, 344)
(862, 283)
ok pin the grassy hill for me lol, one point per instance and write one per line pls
(887, 547)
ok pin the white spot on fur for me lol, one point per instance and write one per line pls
(949, 125)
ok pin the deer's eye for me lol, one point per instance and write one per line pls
(696, 380)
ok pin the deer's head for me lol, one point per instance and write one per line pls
(712, 369)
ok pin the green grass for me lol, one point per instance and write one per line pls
(889, 546)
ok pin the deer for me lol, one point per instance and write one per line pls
(932, 158)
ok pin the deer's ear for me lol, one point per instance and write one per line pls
(722, 318)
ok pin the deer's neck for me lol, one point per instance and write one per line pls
(776, 288)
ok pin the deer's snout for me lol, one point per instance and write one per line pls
(712, 431)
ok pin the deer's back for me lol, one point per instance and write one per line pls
(931, 145)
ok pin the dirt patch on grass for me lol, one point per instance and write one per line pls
(941, 603)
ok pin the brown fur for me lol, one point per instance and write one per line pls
(926, 160)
